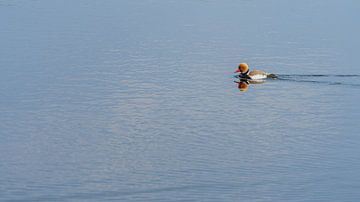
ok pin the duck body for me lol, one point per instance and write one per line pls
(255, 75)
(245, 73)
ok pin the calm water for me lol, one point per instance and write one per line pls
(136, 101)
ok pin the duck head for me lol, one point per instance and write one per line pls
(242, 68)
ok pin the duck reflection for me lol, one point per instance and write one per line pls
(244, 84)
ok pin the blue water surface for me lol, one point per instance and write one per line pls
(136, 100)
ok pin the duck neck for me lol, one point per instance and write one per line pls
(246, 73)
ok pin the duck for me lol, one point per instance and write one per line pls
(245, 73)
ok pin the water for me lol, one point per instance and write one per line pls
(136, 101)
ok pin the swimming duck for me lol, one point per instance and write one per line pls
(245, 73)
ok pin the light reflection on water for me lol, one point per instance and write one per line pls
(136, 101)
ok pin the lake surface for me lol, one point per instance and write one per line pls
(136, 101)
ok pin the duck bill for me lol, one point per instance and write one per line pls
(237, 71)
